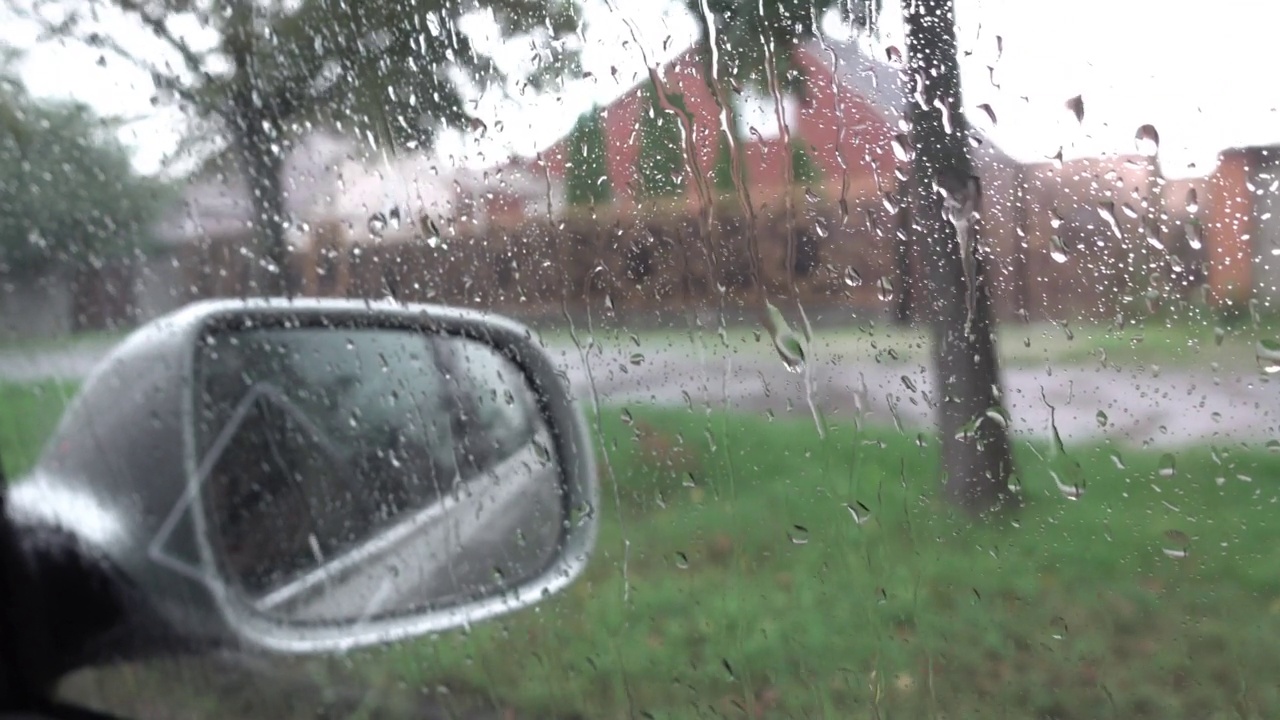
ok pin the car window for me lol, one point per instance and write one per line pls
(928, 350)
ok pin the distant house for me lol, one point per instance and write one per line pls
(1242, 225)
(849, 119)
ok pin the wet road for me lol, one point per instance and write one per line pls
(1131, 405)
(1138, 405)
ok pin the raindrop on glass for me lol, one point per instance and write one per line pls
(377, 224)
(884, 289)
(1076, 107)
(902, 148)
(1268, 354)
(861, 513)
(1147, 140)
(1177, 544)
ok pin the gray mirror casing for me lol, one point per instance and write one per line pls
(121, 473)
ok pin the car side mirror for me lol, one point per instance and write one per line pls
(317, 475)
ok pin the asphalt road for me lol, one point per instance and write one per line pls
(1138, 405)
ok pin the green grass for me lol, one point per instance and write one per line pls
(29, 412)
(731, 580)
(44, 344)
(719, 604)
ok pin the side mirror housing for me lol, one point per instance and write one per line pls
(317, 475)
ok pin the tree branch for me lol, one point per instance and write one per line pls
(162, 31)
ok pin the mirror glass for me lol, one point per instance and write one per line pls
(357, 474)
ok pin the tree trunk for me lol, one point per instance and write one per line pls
(259, 137)
(976, 458)
(1021, 238)
(262, 165)
(903, 309)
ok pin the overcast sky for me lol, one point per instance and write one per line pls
(1201, 78)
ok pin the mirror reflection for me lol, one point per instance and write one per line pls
(353, 474)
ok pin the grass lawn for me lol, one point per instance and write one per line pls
(733, 579)
(91, 337)
(28, 414)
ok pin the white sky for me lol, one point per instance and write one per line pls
(1199, 73)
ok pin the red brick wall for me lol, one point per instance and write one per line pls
(1228, 215)
(847, 135)
(843, 134)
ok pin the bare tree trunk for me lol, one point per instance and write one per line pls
(259, 137)
(906, 297)
(1021, 235)
(976, 457)
(262, 164)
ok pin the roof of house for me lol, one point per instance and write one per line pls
(882, 84)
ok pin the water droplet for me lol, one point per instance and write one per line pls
(1102, 419)
(989, 111)
(1268, 354)
(788, 344)
(1168, 466)
(1107, 211)
(583, 513)
(1193, 201)
(1071, 491)
(1273, 446)
(541, 451)
(999, 416)
(636, 358)
(902, 148)
(799, 535)
(1195, 236)
(626, 417)
(861, 513)
(893, 55)
(852, 277)
(1219, 333)
(1117, 460)
(1076, 107)
(884, 289)
(1147, 140)
(909, 384)
(682, 561)
(1177, 544)
(377, 224)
